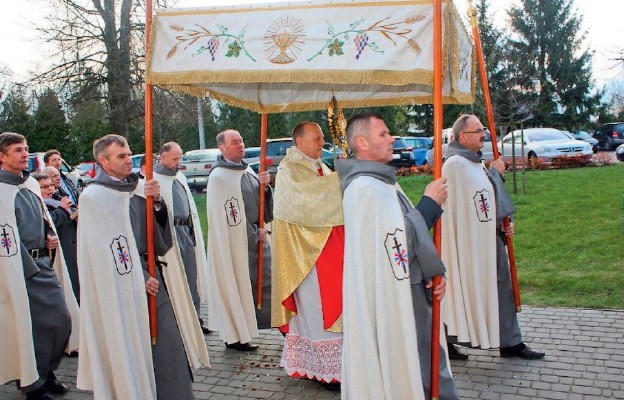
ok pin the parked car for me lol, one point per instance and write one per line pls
(447, 136)
(328, 157)
(136, 163)
(543, 144)
(619, 152)
(35, 163)
(275, 151)
(252, 157)
(586, 137)
(420, 146)
(610, 135)
(87, 171)
(196, 165)
(402, 156)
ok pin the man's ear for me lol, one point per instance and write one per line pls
(361, 143)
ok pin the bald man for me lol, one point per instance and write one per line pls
(188, 251)
(232, 199)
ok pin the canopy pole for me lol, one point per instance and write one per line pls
(149, 201)
(437, 172)
(490, 117)
(264, 123)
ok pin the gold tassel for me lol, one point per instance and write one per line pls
(337, 125)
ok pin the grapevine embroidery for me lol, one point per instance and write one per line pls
(361, 41)
(188, 37)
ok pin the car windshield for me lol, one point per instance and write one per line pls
(582, 135)
(399, 143)
(416, 143)
(550, 134)
(252, 152)
(201, 155)
(278, 148)
(84, 166)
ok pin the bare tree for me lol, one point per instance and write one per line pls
(99, 41)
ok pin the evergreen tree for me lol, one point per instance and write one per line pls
(14, 116)
(51, 130)
(552, 70)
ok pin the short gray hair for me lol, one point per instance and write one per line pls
(100, 145)
(49, 169)
(460, 124)
(359, 125)
(9, 138)
(221, 136)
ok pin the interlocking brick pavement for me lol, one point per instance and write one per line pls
(584, 360)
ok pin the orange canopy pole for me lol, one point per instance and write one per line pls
(437, 172)
(490, 116)
(149, 201)
(264, 123)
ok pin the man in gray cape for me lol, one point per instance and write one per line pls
(35, 319)
(371, 142)
(479, 308)
(233, 203)
(116, 360)
(183, 218)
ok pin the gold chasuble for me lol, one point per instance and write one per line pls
(306, 208)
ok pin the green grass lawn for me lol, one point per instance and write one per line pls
(569, 242)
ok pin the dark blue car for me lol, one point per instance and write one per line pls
(419, 146)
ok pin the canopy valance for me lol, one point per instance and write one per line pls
(294, 56)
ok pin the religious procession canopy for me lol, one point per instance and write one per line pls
(294, 56)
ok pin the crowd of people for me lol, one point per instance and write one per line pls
(347, 277)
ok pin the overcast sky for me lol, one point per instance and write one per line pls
(20, 50)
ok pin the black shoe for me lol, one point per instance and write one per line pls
(522, 351)
(331, 386)
(203, 327)
(53, 385)
(455, 354)
(39, 394)
(72, 354)
(242, 346)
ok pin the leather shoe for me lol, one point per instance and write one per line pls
(203, 327)
(72, 354)
(242, 346)
(331, 386)
(39, 394)
(455, 354)
(524, 352)
(53, 385)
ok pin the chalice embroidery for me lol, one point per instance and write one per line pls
(284, 40)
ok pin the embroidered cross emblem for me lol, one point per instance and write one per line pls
(232, 211)
(484, 205)
(6, 241)
(400, 255)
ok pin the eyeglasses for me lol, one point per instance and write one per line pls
(46, 186)
(480, 130)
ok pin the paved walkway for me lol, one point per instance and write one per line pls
(585, 360)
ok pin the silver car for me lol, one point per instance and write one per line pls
(196, 165)
(447, 136)
(543, 145)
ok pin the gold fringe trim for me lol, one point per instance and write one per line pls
(460, 98)
(345, 77)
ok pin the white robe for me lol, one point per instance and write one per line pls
(228, 257)
(175, 277)
(115, 353)
(470, 307)
(18, 360)
(380, 353)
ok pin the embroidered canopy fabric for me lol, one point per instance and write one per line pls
(294, 56)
